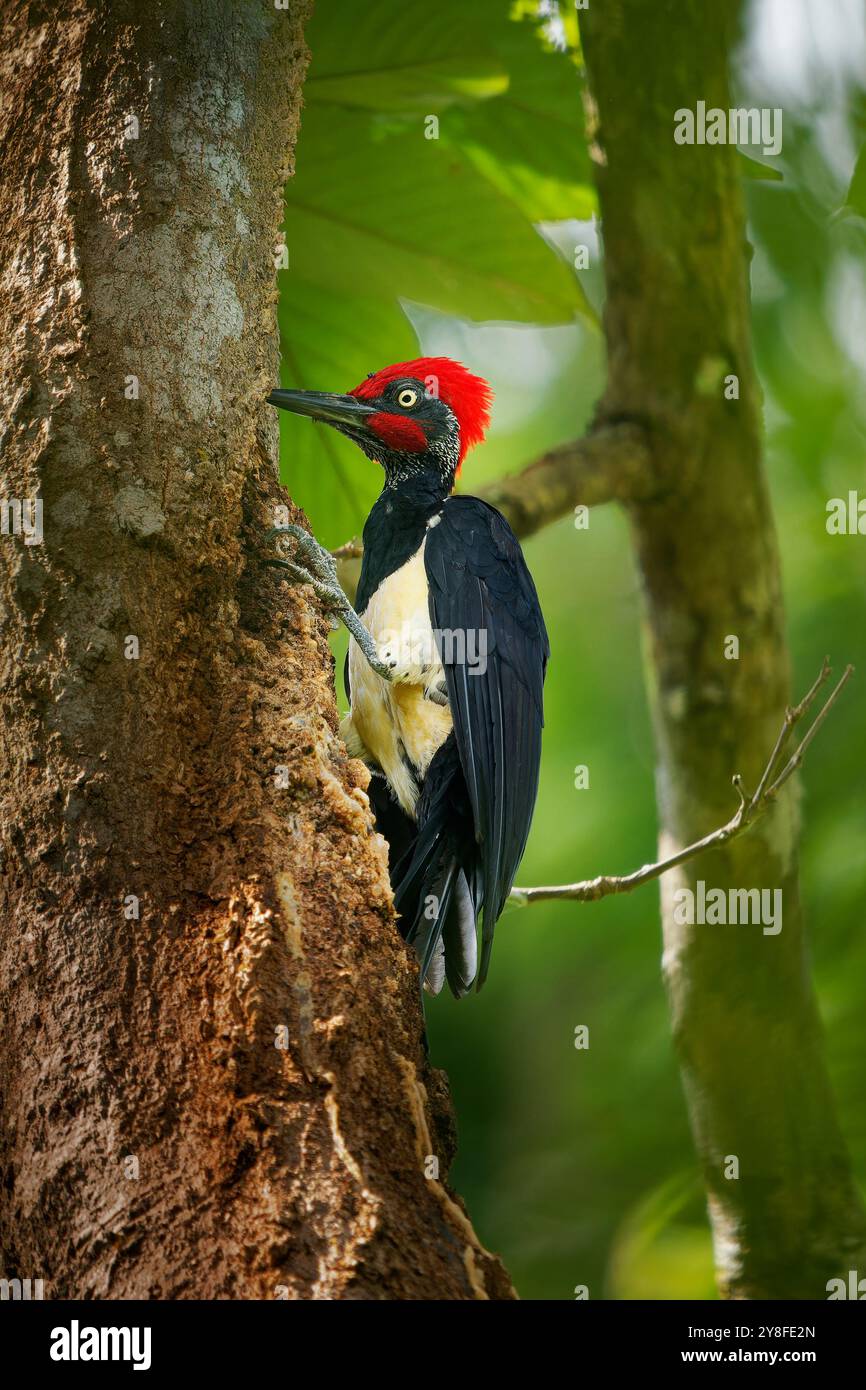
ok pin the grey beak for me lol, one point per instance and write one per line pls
(323, 405)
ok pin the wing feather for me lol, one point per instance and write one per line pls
(479, 583)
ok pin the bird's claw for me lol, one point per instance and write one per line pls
(319, 570)
(437, 693)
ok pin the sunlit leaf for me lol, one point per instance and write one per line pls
(423, 87)
(386, 57)
(529, 141)
(406, 217)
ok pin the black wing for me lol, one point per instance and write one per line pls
(481, 590)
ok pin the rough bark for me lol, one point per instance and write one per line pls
(677, 322)
(156, 1141)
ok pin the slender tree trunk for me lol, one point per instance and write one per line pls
(677, 324)
(211, 1070)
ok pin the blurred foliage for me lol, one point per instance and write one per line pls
(577, 1165)
(379, 215)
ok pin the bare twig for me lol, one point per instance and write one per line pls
(351, 550)
(772, 780)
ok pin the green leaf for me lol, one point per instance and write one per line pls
(529, 142)
(378, 214)
(424, 86)
(329, 343)
(410, 58)
(753, 169)
(405, 217)
(521, 99)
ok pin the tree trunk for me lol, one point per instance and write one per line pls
(677, 323)
(190, 879)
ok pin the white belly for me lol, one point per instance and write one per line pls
(393, 721)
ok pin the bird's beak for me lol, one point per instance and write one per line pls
(324, 405)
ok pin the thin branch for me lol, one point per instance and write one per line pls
(772, 780)
(609, 464)
(352, 550)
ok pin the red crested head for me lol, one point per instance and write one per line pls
(416, 419)
(467, 396)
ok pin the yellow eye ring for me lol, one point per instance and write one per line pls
(407, 398)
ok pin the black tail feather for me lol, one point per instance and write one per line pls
(437, 880)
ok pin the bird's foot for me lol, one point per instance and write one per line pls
(407, 667)
(314, 565)
(437, 691)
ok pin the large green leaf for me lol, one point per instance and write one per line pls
(522, 117)
(529, 140)
(405, 217)
(329, 343)
(378, 213)
(408, 57)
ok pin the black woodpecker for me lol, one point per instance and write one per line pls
(445, 669)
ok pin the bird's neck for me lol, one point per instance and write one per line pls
(395, 529)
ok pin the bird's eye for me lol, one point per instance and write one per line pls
(407, 398)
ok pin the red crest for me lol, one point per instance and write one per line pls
(467, 395)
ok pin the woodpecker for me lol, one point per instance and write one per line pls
(446, 660)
